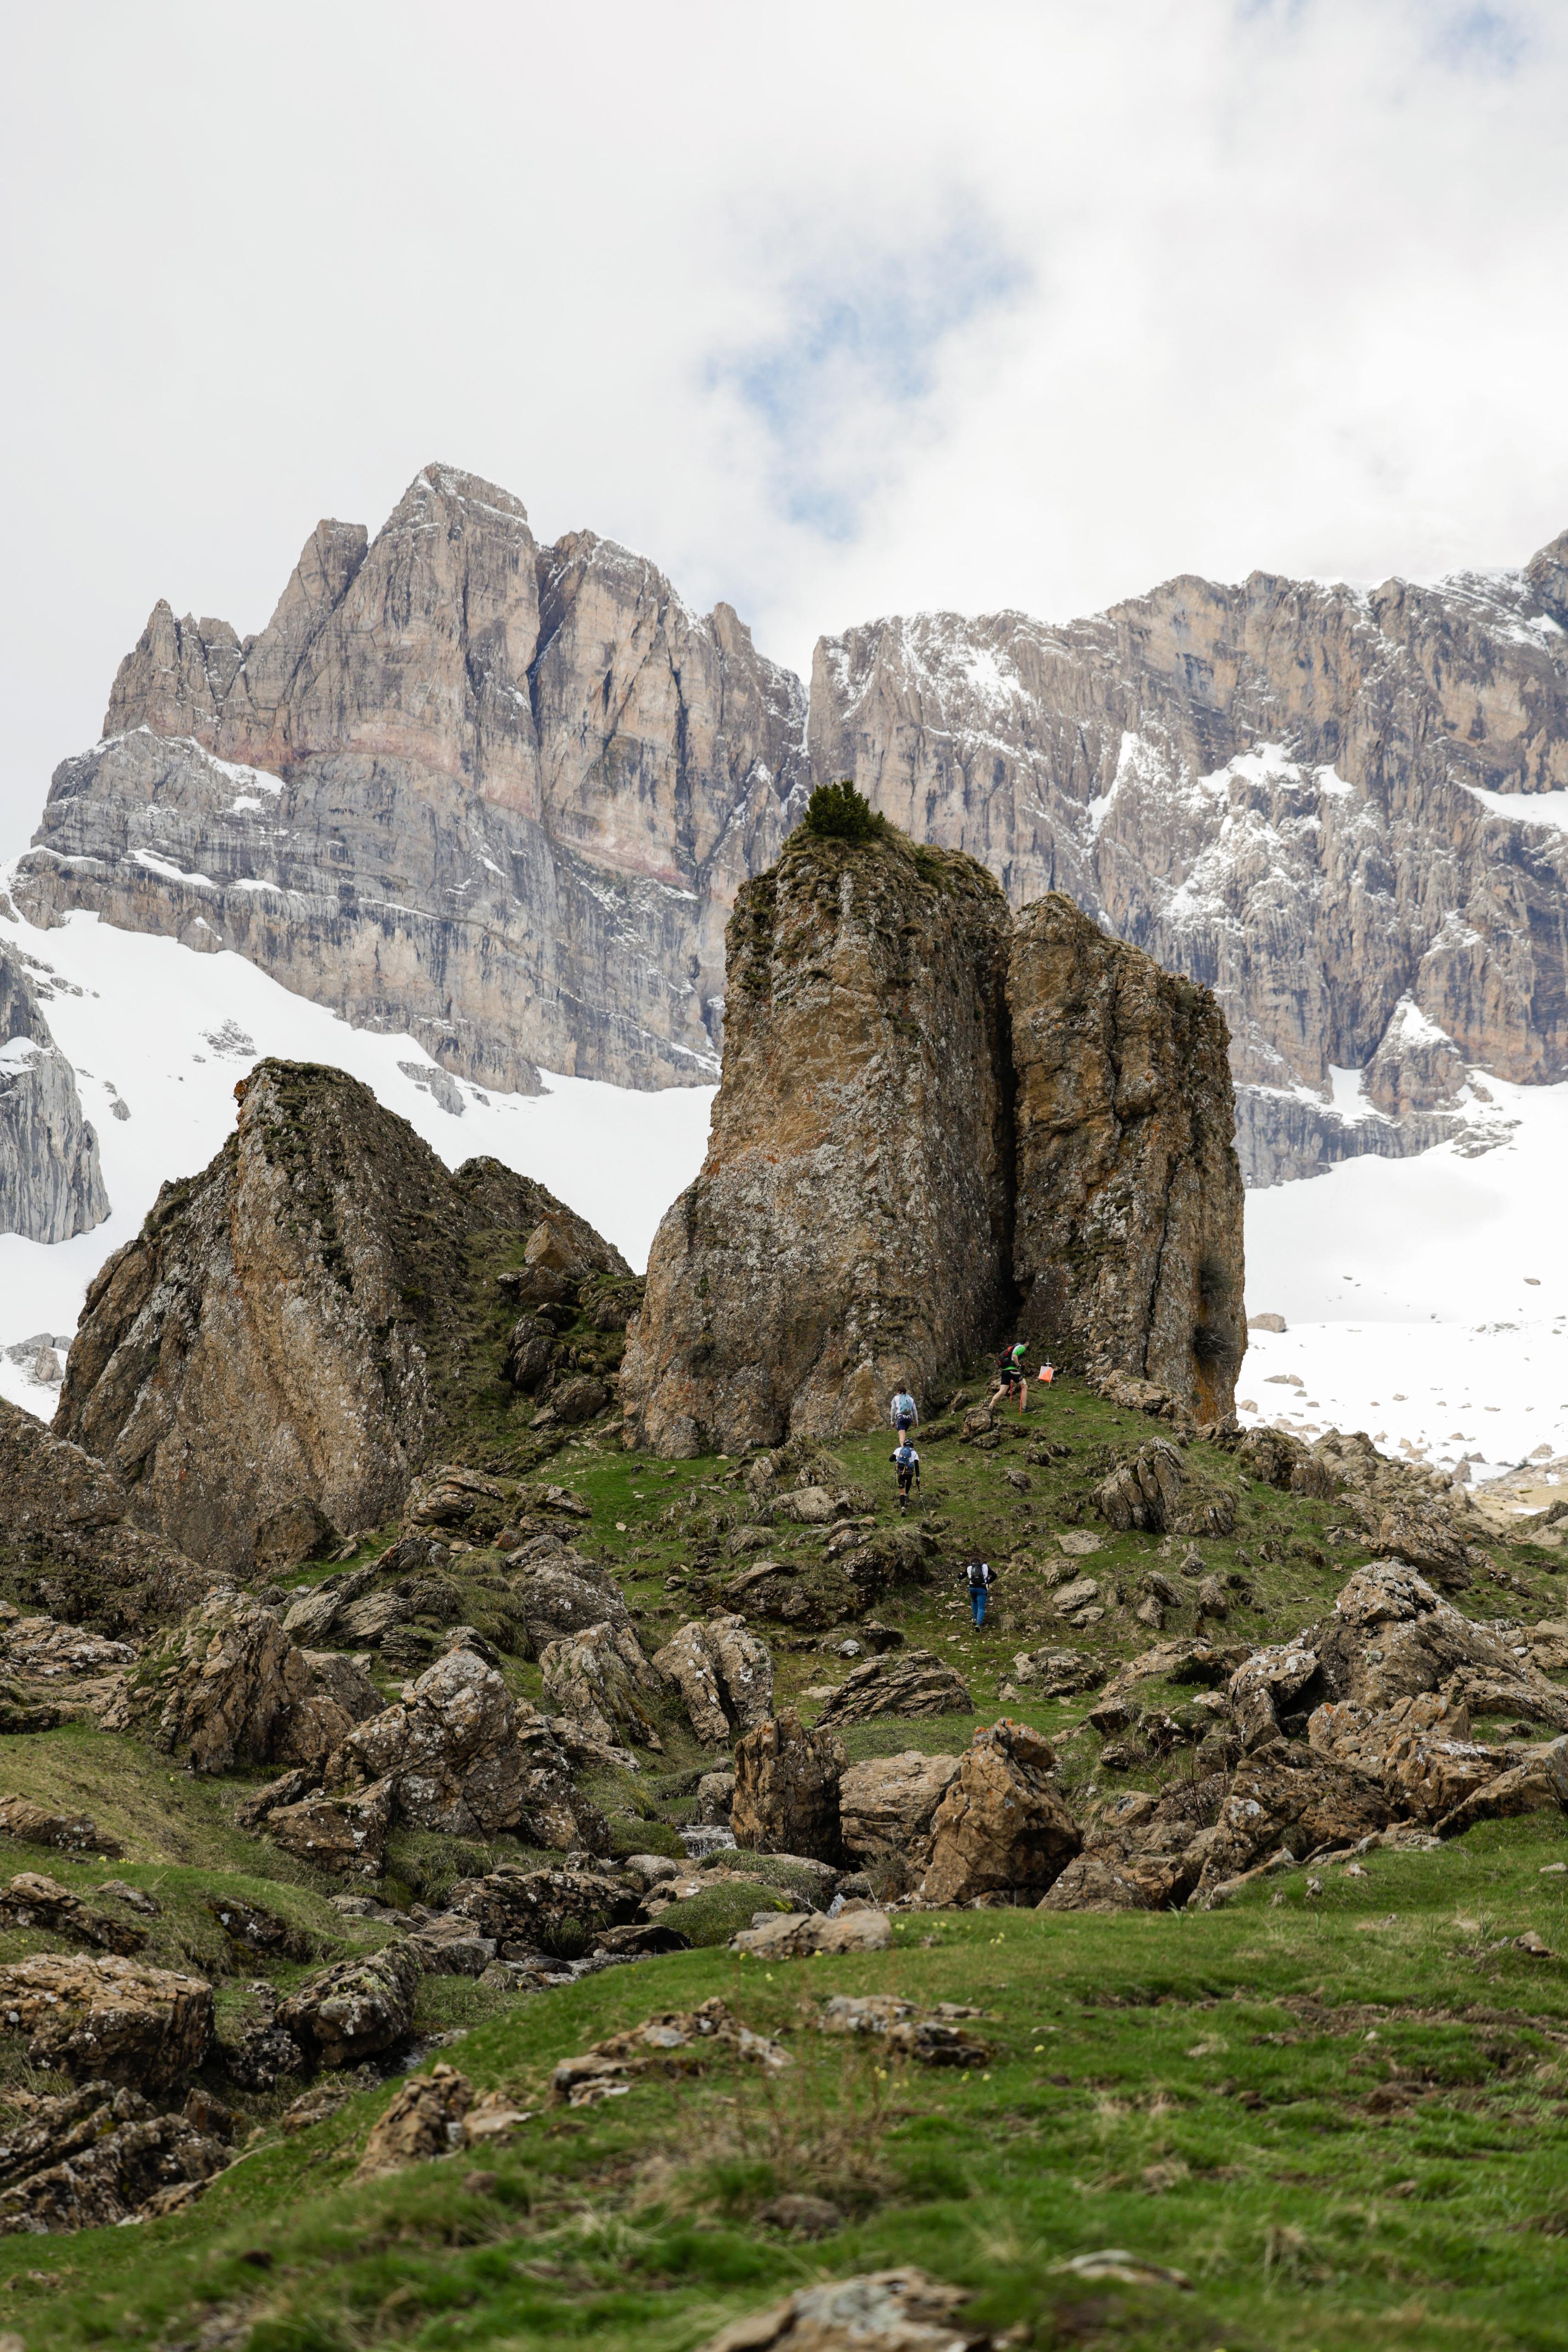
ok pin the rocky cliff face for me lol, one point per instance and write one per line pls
(50, 1184)
(1324, 804)
(299, 1324)
(1127, 1245)
(497, 795)
(928, 1116)
(504, 796)
(849, 1231)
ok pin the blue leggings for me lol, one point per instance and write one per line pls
(978, 1602)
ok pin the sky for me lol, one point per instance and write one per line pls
(833, 310)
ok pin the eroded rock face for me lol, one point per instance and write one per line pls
(601, 1678)
(286, 1325)
(448, 716)
(230, 1688)
(50, 1184)
(561, 1913)
(1001, 1829)
(1343, 899)
(345, 1835)
(908, 1682)
(723, 1675)
(786, 1795)
(450, 1751)
(849, 1231)
(1128, 1246)
(886, 1807)
(111, 2017)
(66, 1522)
(97, 2158)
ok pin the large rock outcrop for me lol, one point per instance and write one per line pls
(849, 1230)
(295, 1324)
(1127, 1243)
(498, 795)
(50, 1184)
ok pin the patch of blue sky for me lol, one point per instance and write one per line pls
(1481, 41)
(858, 349)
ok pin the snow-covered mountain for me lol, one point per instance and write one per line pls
(501, 796)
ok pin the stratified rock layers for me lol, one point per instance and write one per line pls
(294, 1324)
(1127, 1241)
(499, 795)
(850, 1229)
(50, 1185)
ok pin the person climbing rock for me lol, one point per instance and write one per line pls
(906, 1463)
(904, 1412)
(980, 1576)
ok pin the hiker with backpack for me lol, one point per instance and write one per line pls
(904, 1412)
(980, 1576)
(1011, 1377)
(907, 1462)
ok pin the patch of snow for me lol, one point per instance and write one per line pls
(1549, 809)
(137, 1010)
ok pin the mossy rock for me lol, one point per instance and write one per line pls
(720, 1911)
(634, 1833)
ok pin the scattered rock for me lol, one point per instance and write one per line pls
(678, 2041)
(1057, 1674)
(345, 1835)
(450, 1751)
(97, 2158)
(930, 2037)
(906, 1682)
(786, 1795)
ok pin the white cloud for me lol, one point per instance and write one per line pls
(832, 309)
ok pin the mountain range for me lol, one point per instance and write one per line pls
(500, 797)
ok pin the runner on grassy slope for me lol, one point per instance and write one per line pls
(979, 1575)
(1011, 1377)
(907, 1462)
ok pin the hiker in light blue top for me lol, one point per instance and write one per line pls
(905, 1412)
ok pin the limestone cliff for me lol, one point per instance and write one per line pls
(1321, 803)
(302, 1322)
(1127, 1241)
(498, 795)
(849, 1231)
(50, 1184)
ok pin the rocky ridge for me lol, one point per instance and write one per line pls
(504, 796)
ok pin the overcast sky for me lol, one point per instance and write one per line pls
(832, 309)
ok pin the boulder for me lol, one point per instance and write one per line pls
(902, 1682)
(456, 1497)
(600, 1679)
(231, 1689)
(1104, 1882)
(1423, 1533)
(579, 1399)
(345, 1835)
(885, 2311)
(562, 1913)
(786, 1797)
(716, 1795)
(809, 1600)
(1143, 1491)
(1057, 1674)
(31, 1900)
(1538, 1785)
(295, 1530)
(450, 1751)
(886, 1807)
(111, 2018)
(98, 2157)
(1391, 1636)
(559, 1594)
(858, 1156)
(1001, 1828)
(1127, 1241)
(1081, 1594)
(355, 2008)
(295, 1323)
(1256, 1689)
(555, 1813)
(36, 1825)
(796, 1936)
(423, 2119)
(313, 1616)
(723, 1675)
